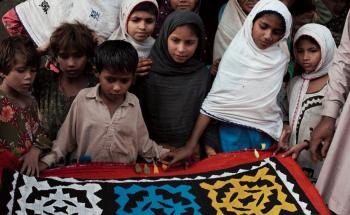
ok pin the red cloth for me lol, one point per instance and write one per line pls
(8, 161)
(13, 24)
(220, 161)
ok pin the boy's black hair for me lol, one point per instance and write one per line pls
(148, 7)
(116, 56)
(14, 48)
(271, 12)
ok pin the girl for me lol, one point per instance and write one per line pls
(178, 81)
(137, 22)
(244, 93)
(72, 46)
(168, 6)
(232, 20)
(314, 49)
(21, 135)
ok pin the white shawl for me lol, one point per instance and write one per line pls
(143, 48)
(248, 80)
(232, 20)
(300, 84)
(41, 17)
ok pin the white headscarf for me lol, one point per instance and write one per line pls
(41, 17)
(232, 20)
(143, 48)
(248, 80)
(325, 40)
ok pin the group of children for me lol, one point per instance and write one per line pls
(89, 114)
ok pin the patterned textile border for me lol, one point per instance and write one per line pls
(258, 187)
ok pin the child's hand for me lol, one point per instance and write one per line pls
(283, 142)
(295, 150)
(143, 67)
(30, 160)
(215, 66)
(179, 156)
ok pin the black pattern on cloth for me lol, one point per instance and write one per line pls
(45, 6)
(306, 105)
(263, 187)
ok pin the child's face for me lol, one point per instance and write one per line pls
(141, 25)
(247, 5)
(308, 55)
(183, 4)
(182, 44)
(114, 85)
(71, 62)
(267, 30)
(21, 77)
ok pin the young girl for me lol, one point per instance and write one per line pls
(72, 46)
(178, 81)
(137, 22)
(244, 93)
(21, 135)
(168, 6)
(314, 49)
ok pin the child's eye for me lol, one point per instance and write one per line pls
(190, 42)
(125, 80)
(110, 80)
(150, 21)
(278, 32)
(135, 19)
(314, 50)
(263, 26)
(175, 40)
(21, 69)
(78, 55)
(63, 56)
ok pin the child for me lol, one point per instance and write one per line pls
(244, 93)
(168, 6)
(72, 47)
(137, 22)
(21, 135)
(178, 81)
(314, 49)
(105, 122)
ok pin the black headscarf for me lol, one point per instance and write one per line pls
(174, 92)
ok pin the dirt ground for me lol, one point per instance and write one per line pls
(5, 5)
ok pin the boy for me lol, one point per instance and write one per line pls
(105, 122)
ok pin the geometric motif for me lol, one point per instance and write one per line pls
(261, 187)
(156, 200)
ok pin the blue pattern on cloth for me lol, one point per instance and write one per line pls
(235, 137)
(168, 199)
